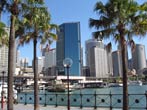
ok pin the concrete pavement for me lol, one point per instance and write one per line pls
(31, 107)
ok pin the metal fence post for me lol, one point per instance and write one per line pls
(81, 106)
(56, 99)
(146, 99)
(45, 99)
(95, 100)
(25, 98)
(110, 101)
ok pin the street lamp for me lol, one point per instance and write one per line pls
(67, 62)
(2, 92)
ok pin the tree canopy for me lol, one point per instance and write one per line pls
(122, 20)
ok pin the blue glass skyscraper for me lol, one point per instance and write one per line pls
(69, 46)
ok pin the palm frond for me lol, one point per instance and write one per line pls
(103, 22)
(143, 7)
(104, 34)
(99, 6)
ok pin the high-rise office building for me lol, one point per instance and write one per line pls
(101, 62)
(40, 64)
(3, 59)
(69, 46)
(50, 58)
(50, 63)
(4, 56)
(85, 71)
(117, 63)
(89, 44)
(24, 63)
(97, 58)
(139, 58)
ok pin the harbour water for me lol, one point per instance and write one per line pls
(93, 98)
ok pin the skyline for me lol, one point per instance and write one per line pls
(64, 11)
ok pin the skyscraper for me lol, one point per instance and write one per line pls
(101, 62)
(4, 56)
(3, 59)
(89, 44)
(69, 46)
(98, 58)
(50, 58)
(49, 68)
(117, 63)
(40, 64)
(24, 62)
(139, 58)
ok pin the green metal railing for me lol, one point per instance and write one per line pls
(136, 101)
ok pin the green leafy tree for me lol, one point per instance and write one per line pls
(121, 20)
(3, 35)
(10, 6)
(22, 10)
(36, 27)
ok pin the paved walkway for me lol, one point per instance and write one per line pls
(31, 107)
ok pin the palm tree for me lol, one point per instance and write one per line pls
(11, 62)
(35, 27)
(12, 7)
(121, 20)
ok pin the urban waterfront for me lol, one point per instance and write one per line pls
(106, 98)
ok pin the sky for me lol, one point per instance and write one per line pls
(63, 11)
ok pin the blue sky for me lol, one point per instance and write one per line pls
(63, 11)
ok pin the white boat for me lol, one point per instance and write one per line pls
(77, 86)
(56, 86)
(93, 84)
(115, 85)
(135, 83)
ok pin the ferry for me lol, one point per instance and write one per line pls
(56, 86)
(59, 86)
(93, 84)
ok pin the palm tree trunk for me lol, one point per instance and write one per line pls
(36, 100)
(11, 64)
(125, 79)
